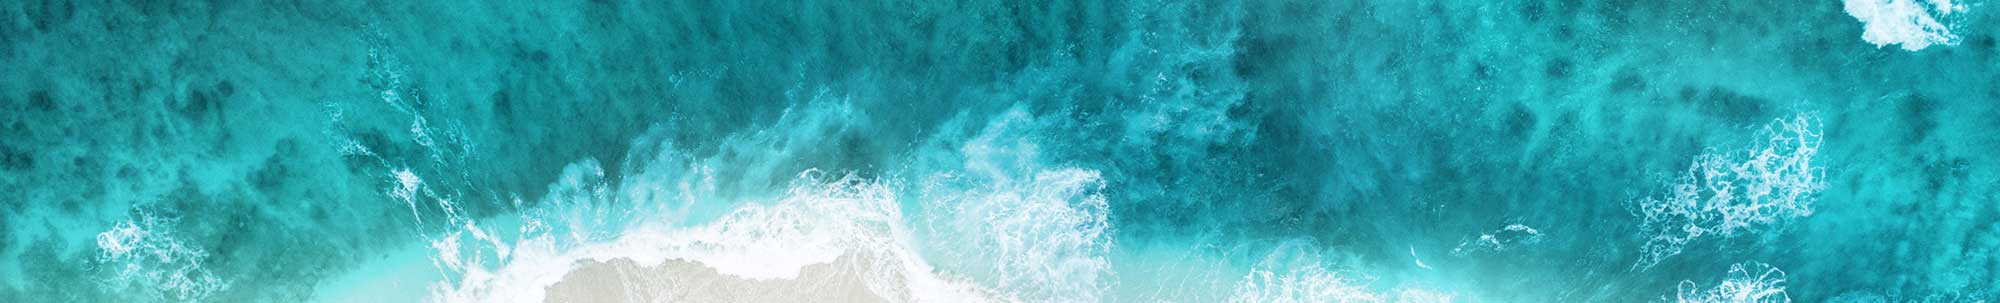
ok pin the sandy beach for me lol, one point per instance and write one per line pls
(622, 280)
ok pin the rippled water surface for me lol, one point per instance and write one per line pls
(1025, 151)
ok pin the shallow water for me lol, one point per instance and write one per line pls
(1126, 151)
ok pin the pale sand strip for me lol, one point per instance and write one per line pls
(622, 280)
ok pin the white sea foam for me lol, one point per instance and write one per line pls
(1418, 260)
(144, 252)
(1914, 24)
(1420, 295)
(1293, 273)
(1309, 283)
(815, 222)
(1730, 193)
(1035, 234)
(1503, 239)
(347, 146)
(1748, 282)
(1044, 237)
(1019, 231)
(407, 186)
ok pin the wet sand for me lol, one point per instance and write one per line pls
(622, 280)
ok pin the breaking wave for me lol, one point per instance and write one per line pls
(144, 252)
(1006, 227)
(1727, 193)
(1296, 272)
(1748, 282)
(816, 221)
(1913, 24)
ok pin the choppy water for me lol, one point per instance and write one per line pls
(1124, 151)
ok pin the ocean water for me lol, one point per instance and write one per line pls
(1019, 151)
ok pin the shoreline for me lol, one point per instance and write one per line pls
(624, 280)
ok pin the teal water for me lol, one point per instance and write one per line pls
(1064, 151)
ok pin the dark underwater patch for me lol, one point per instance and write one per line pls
(1725, 104)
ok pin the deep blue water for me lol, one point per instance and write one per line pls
(1058, 151)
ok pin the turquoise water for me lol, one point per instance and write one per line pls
(1123, 151)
